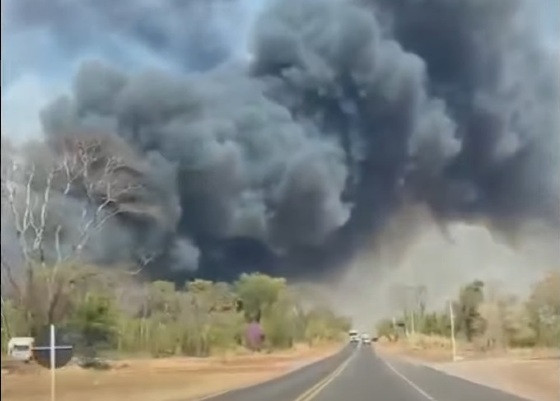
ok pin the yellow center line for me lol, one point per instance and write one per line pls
(316, 389)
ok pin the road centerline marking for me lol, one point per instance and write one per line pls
(312, 392)
(408, 381)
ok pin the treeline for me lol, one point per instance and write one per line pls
(103, 309)
(487, 317)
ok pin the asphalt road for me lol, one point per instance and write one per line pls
(357, 374)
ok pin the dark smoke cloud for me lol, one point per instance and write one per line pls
(139, 220)
(245, 167)
(342, 116)
(502, 87)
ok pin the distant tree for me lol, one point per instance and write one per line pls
(517, 325)
(386, 328)
(436, 323)
(162, 299)
(322, 324)
(210, 318)
(468, 317)
(280, 321)
(544, 310)
(94, 321)
(258, 291)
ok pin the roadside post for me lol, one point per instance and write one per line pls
(452, 319)
(51, 352)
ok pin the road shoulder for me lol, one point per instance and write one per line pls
(162, 379)
(535, 379)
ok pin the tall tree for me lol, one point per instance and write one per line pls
(95, 322)
(544, 310)
(469, 318)
(258, 291)
(35, 192)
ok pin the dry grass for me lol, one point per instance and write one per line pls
(167, 379)
(430, 348)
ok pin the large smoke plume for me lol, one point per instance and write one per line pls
(289, 160)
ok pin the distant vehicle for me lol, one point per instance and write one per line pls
(21, 348)
(354, 336)
(366, 339)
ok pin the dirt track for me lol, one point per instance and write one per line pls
(156, 379)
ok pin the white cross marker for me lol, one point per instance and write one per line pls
(52, 347)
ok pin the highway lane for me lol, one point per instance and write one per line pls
(290, 386)
(357, 374)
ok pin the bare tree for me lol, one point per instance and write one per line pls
(143, 260)
(81, 170)
(411, 299)
(106, 183)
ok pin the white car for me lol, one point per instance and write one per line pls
(354, 336)
(21, 348)
(366, 339)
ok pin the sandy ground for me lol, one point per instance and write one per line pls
(534, 375)
(171, 379)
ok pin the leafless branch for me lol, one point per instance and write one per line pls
(144, 259)
(82, 171)
(27, 213)
(20, 224)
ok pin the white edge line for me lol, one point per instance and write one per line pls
(410, 383)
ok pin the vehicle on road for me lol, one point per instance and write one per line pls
(354, 336)
(21, 348)
(366, 339)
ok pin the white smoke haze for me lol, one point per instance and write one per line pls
(303, 130)
(442, 261)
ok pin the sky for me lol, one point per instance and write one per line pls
(43, 47)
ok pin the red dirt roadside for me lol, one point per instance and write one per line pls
(534, 375)
(167, 379)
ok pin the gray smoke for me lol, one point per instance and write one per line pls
(489, 62)
(245, 166)
(345, 113)
(137, 222)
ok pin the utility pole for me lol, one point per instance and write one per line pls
(53, 361)
(406, 322)
(452, 318)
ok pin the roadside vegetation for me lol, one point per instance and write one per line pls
(46, 279)
(105, 311)
(485, 318)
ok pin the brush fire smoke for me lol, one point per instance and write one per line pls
(292, 159)
(415, 263)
